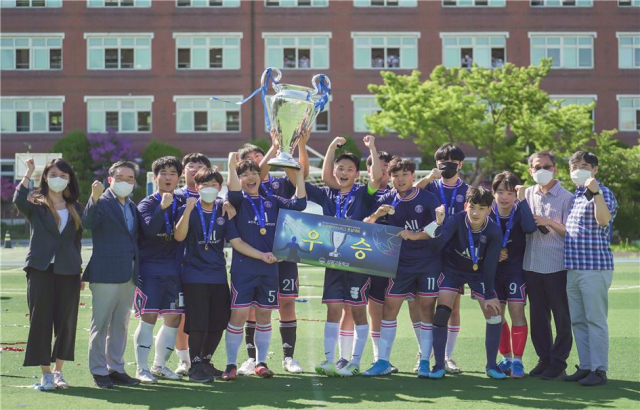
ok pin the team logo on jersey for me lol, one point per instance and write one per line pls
(419, 209)
(220, 221)
(483, 239)
(354, 292)
(268, 204)
(459, 198)
(275, 185)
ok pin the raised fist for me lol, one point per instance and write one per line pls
(167, 200)
(338, 142)
(96, 190)
(369, 141)
(520, 191)
(31, 166)
(434, 174)
(191, 202)
(440, 214)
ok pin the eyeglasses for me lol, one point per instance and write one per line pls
(546, 167)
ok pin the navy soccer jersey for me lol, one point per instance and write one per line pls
(355, 204)
(186, 193)
(456, 257)
(412, 213)
(278, 186)
(451, 196)
(248, 228)
(157, 254)
(204, 258)
(523, 224)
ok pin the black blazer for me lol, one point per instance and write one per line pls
(115, 257)
(46, 241)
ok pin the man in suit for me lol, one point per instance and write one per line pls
(112, 271)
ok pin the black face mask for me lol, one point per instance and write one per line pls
(449, 169)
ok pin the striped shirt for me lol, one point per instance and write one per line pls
(586, 244)
(545, 253)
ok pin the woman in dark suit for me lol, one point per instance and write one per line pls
(53, 267)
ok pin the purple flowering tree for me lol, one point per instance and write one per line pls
(105, 149)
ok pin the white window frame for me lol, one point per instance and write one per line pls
(474, 36)
(355, 98)
(296, 37)
(633, 47)
(139, 4)
(49, 4)
(401, 4)
(209, 109)
(355, 35)
(591, 97)
(633, 108)
(119, 100)
(325, 3)
(208, 37)
(30, 100)
(32, 49)
(560, 4)
(562, 35)
(119, 37)
(496, 3)
(634, 3)
(225, 3)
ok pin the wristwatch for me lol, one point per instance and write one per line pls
(597, 193)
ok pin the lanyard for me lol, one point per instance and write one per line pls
(505, 237)
(167, 222)
(397, 199)
(266, 188)
(340, 212)
(443, 199)
(259, 215)
(473, 251)
(207, 232)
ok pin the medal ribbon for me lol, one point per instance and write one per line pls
(443, 199)
(268, 189)
(505, 237)
(174, 206)
(259, 215)
(340, 212)
(207, 232)
(473, 251)
(397, 198)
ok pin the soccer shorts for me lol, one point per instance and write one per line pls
(158, 294)
(254, 290)
(450, 281)
(378, 289)
(288, 279)
(207, 307)
(404, 285)
(511, 288)
(345, 287)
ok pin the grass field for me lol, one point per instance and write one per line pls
(471, 389)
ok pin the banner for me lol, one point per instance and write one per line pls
(343, 244)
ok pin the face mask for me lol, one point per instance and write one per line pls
(580, 176)
(57, 184)
(449, 169)
(208, 195)
(122, 189)
(542, 176)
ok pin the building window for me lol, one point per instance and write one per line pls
(297, 51)
(296, 3)
(119, 52)
(207, 3)
(321, 124)
(205, 51)
(629, 112)
(31, 53)
(474, 3)
(121, 114)
(118, 3)
(576, 99)
(487, 50)
(385, 50)
(574, 51)
(31, 115)
(628, 3)
(202, 114)
(628, 50)
(363, 105)
(30, 3)
(385, 3)
(561, 3)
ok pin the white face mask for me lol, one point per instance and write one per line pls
(122, 189)
(580, 176)
(57, 184)
(542, 176)
(208, 194)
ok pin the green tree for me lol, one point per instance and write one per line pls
(156, 149)
(75, 148)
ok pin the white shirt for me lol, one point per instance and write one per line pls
(64, 218)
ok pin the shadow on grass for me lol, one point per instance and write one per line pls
(306, 391)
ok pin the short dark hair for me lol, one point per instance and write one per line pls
(196, 157)
(588, 157)
(206, 175)
(247, 165)
(398, 164)
(247, 149)
(126, 164)
(349, 156)
(164, 162)
(382, 156)
(543, 153)
(505, 180)
(479, 196)
(450, 152)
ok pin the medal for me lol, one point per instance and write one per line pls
(340, 212)
(397, 200)
(392, 211)
(263, 231)
(475, 266)
(167, 222)
(206, 246)
(473, 250)
(260, 216)
(450, 210)
(207, 233)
